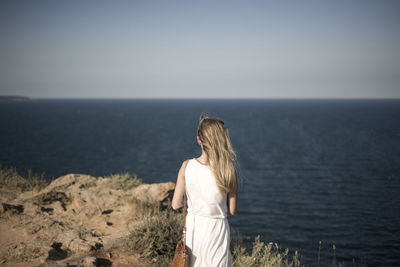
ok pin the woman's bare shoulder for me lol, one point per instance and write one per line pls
(185, 163)
(183, 167)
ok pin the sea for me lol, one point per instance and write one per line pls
(315, 173)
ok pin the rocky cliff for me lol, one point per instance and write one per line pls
(77, 220)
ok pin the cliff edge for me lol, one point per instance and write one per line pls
(76, 220)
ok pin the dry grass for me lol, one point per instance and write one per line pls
(10, 179)
(263, 255)
(123, 181)
(156, 235)
(140, 209)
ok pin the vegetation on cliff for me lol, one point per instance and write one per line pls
(10, 179)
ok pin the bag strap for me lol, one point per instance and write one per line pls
(184, 220)
(184, 215)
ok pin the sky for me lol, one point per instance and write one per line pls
(200, 49)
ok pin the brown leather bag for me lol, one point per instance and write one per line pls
(181, 257)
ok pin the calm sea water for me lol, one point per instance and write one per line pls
(313, 170)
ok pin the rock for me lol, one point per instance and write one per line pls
(154, 192)
(88, 262)
(48, 198)
(85, 261)
(13, 209)
(63, 182)
(57, 253)
(51, 263)
(76, 241)
(24, 251)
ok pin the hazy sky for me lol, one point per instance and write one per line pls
(200, 48)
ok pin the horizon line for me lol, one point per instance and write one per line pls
(202, 98)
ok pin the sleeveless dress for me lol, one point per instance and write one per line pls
(207, 228)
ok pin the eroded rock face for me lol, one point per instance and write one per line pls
(77, 219)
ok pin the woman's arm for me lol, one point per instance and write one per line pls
(179, 187)
(232, 201)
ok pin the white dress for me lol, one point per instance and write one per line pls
(207, 228)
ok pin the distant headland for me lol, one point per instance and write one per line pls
(11, 98)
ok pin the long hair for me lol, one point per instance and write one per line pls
(221, 157)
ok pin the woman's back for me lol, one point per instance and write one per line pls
(207, 234)
(204, 198)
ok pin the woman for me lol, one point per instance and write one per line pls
(210, 182)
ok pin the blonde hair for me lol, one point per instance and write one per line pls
(221, 157)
